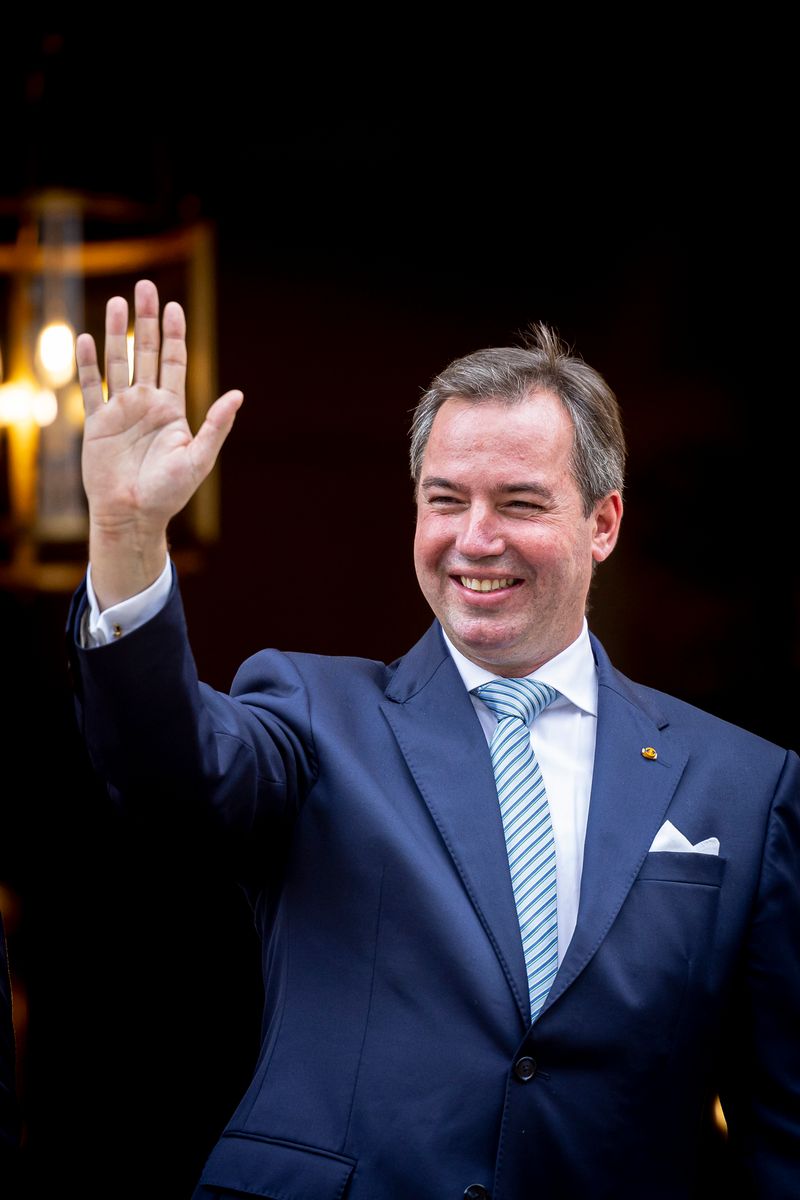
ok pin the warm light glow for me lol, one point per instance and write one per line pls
(55, 353)
(719, 1117)
(45, 407)
(16, 403)
(16, 412)
(23, 404)
(73, 406)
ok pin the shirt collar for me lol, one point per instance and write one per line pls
(572, 672)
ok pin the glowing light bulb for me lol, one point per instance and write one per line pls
(22, 404)
(44, 407)
(16, 403)
(55, 353)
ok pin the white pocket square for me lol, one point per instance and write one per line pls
(669, 838)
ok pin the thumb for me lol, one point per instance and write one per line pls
(208, 440)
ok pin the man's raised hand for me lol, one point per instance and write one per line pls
(141, 463)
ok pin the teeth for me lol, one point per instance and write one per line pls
(486, 585)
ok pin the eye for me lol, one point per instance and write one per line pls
(524, 506)
(444, 500)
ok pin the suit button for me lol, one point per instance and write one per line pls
(476, 1191)
(525, 1069)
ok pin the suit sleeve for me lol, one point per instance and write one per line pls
(173, 749)
(761, 1091)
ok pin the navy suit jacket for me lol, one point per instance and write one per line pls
(397, 1057)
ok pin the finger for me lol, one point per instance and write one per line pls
(173, 351)
(212, 433)
(117, 370)
(89, 376)
(146, 336)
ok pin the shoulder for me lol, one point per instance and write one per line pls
(697, 725)
(317, 673)
(341, 670)
(714, 731)
(323, 673)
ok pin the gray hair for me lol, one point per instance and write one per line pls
(510, 374)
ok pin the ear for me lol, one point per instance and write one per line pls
(606, 520)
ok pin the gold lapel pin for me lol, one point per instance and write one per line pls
(649, 752)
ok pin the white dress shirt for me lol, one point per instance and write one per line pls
(563, 736)
(563, 740)
(99, 628)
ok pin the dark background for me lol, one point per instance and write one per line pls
(385, 201)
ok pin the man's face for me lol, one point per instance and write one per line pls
(503, 552)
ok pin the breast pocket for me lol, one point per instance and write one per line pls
(667, 866)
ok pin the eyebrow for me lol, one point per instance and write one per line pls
(437, 481)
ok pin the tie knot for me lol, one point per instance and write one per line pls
(521, 698)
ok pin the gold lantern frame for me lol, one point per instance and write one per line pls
(60, 266)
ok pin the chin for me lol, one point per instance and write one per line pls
(490, 648)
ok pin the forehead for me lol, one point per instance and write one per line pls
(536, 432)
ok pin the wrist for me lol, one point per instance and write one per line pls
(125, 561)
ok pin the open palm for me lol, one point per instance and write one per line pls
(141, 462)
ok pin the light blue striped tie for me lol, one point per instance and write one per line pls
(526, 822)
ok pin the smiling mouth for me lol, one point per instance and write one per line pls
(488, 585)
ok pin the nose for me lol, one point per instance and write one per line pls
(480, 534)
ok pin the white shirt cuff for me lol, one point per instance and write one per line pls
(100, 628)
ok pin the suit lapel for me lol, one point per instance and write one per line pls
(438, 732)
(629, 798)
